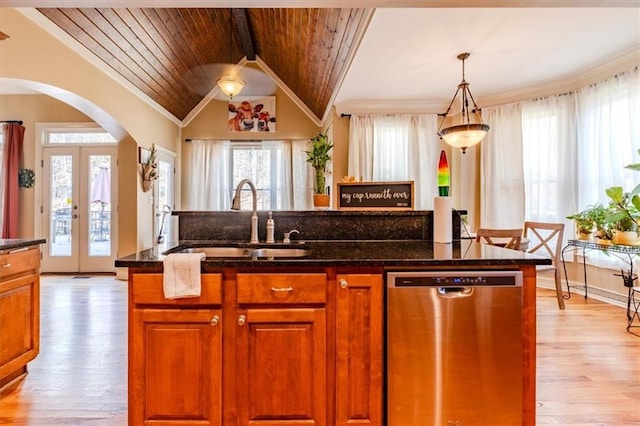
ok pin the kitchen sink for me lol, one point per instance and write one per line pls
(244, 252)
(219, 251)
(279, 252)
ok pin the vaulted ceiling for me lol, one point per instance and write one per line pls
(160, 50)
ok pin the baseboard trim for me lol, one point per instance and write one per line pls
(577, 289)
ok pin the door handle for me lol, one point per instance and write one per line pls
(454, 292)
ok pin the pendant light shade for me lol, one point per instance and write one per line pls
(230, 85)
(464, 128)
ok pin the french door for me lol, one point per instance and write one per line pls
(78, 215)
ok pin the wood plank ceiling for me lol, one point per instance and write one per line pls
(154, 49)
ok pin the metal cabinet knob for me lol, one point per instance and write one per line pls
(343, 283)
(242, 320)
(215, 320)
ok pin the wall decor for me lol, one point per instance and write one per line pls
(149, 165)
(252, 114)
(375, 196)
(26, 178)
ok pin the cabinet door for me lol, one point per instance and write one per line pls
(281, 367)
(19, 325)
(359, 350)
(175, 375)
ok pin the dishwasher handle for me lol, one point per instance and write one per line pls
(454, 292)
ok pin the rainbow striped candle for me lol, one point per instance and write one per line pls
(444, 178)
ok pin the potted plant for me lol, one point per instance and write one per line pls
(603, 230)
(584, 224)
(318, 156)
(624, 215)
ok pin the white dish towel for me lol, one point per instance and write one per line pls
(181, 277)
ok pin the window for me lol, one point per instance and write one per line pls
(577, 145)
(251, 160)
(218, 166)
(82, 136)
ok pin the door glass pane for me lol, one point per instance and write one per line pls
(61, 205)
(165, 173)
(99, 205)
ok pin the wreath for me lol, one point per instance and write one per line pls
(26, 178)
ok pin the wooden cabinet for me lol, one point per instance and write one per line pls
(175, 354)
(359, 347)
(296, 349)
(281, 357)
(19, 311)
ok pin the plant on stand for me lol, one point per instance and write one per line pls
(603, 230)
(318, 156)
(584, 224)
(624, 215)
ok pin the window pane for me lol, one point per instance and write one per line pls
(252, 162)
(80, 137)
(61, 203)
(100, 205)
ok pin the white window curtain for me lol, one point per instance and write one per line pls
(301, 176)
(608, 132)
(608, 135)
(550, 146)
(281, 182)
(210, 188)
(360, 161)
(501, 173)
(396, 148)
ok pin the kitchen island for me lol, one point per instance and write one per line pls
(19, 306)
(287, 340)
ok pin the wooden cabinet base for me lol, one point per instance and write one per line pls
(257, 348)
(19, 313)
(12, 378)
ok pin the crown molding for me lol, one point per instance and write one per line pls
(594, 75)
(615, 66)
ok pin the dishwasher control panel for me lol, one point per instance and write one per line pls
(454, 278)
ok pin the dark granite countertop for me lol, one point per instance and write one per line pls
(12, 244)
(386, 253)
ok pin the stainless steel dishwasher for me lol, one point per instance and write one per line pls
(454, 348)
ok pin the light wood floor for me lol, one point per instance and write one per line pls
(588, 364)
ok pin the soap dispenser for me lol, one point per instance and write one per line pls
(270, 227)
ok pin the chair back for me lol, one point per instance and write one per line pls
(507, 238)
(545, 239)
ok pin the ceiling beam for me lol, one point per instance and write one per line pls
(244, 32)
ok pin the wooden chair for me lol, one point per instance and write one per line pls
(507, 238)
(545, 239)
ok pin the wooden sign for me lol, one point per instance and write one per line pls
(375, 196)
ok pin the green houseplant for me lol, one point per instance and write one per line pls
(318, 156)
(624, 215)
(584, 224)
(603, 230)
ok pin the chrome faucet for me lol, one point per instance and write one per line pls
(235, 205)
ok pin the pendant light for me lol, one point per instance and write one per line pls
(465, 127)
(230, 84)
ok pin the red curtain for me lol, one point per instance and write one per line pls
(13, 138)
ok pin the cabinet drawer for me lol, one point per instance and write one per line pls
(21, 261)
(282, 288)
(146, 289)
